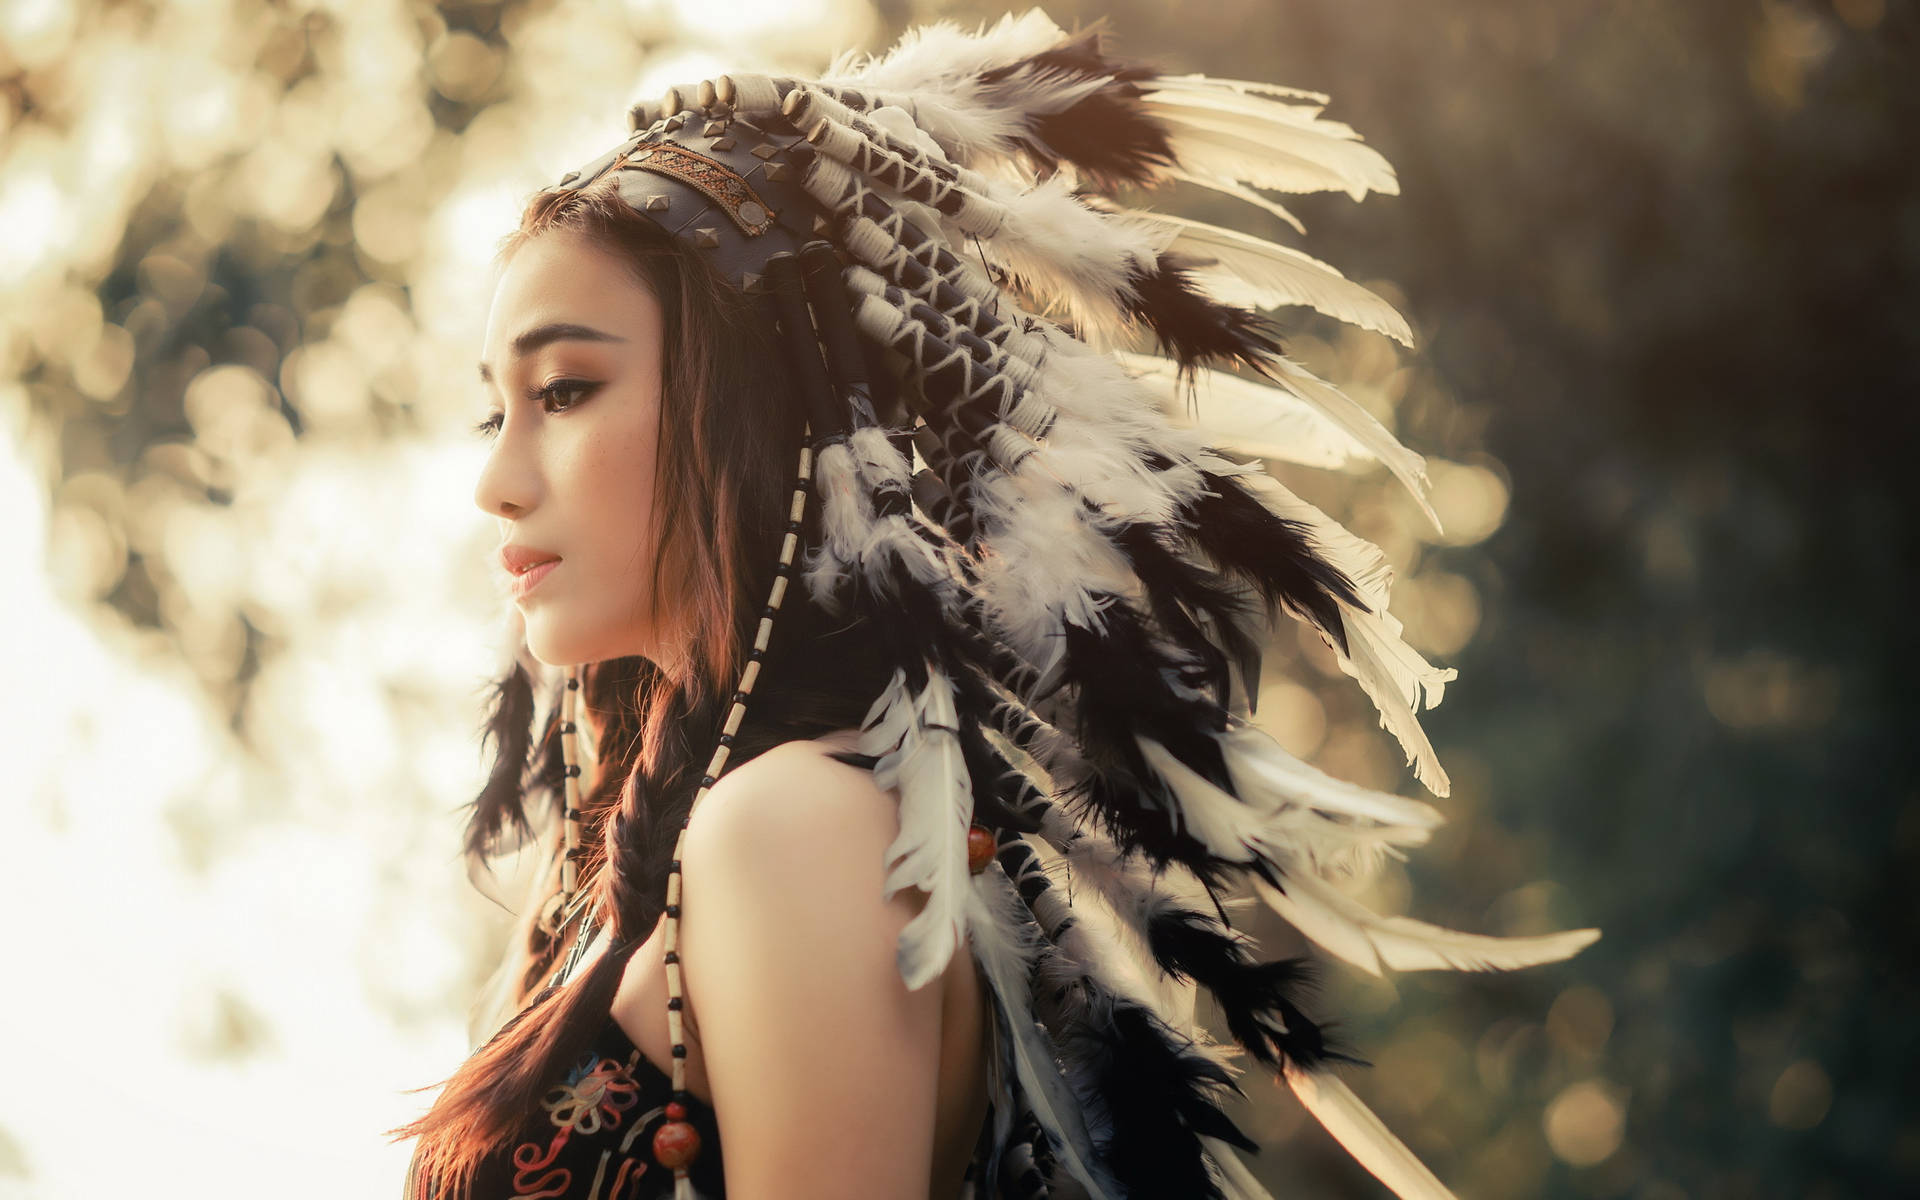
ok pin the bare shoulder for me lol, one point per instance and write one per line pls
(793, 804)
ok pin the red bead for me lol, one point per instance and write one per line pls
(980, 847)
(676, 1144)
(676, 1111)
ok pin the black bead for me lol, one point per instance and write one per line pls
(739, 697)
(679, 1051)
(673, 956)
(768, 611)
(674, 865)
(673, 1004)
(567, 727)
(573, 770)
(673, 910)
(573, 685)
(706, 781)
(757, 656)
(726, 739)
(793, 527)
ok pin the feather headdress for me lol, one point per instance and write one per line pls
(1072, 581)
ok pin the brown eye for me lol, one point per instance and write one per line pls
(580, 389)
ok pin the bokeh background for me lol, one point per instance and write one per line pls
(1660, 256)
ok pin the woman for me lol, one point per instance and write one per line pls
(1022, 664)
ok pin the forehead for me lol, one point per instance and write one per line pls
(562, 276)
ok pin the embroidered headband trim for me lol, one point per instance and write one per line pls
(715, 180)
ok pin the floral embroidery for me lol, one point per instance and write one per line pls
(593, 1099)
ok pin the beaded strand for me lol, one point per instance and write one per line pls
(677, 1143)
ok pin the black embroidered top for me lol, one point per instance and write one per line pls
(592, 1138)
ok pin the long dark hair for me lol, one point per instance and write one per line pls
(729, 440)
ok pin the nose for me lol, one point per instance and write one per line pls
(509, 481)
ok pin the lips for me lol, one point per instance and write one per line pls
(518, 560)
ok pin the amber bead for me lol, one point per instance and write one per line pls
(980, 847)
(676, 1111)
(676, 1144)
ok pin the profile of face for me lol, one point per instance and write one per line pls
(571, 369)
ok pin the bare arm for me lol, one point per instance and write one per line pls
(823, 1067)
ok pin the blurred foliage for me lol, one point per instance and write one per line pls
(1660, 257)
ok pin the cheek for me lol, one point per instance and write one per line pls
(619, 463)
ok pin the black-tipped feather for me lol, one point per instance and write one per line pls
(1194, 327)
(1259, 1001)
(1161, 1095)
(1272, 553)
(1108, 135)
(1178, 591)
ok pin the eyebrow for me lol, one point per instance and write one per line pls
(555, 331)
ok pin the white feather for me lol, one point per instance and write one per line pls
(1364, 1135)
(1214, 83)
(1244, 417)
(943, 52)
(1265, 776)
(1047, 566)
(936, 807)
(1400, 683)
(1263, 274)
(1303, 385)
(1068, 254)
(1354, 932)
(935, 72)
(1229, 188)
(1005, 946)
(1233, 134)
(1290, 835)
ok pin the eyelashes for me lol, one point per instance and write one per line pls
(490, 427)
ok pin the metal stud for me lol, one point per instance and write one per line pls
(713, 129)
(752, 283)
(674, 123)
(706, 238)
(821, 225)
(765, 150)
(656, 203)
(778, 171)
(721, 143)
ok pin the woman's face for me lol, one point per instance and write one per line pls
(571, 370)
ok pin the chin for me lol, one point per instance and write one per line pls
(560, 642)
